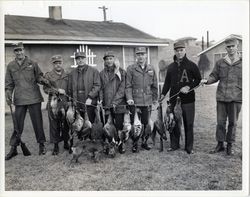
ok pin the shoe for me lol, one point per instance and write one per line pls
(145, 146)
(230, 149)
(42, 150)
(13, 152)
(190, 152)
(121, 149)
(66, 145)
(56, 149)
(135, 148)
(219, 148)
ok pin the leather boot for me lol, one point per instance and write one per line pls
(220, 147)
(66, 145)
(42, 150)
(13, 152)
(135, 147)
(56, 149)
(145, 146)
(230, 149)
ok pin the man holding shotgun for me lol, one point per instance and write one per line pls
(21, 79)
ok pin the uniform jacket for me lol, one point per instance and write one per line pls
(57, 81)
(113, 89)
(230, 80)
(91, 82)
(179, 75)
(23, 80)
(141, 85)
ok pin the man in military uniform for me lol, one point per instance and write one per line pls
(228, 71)
(84, 86)
(22, 78)
(141, 89)
(57, 122)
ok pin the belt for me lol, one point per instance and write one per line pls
(81, 91)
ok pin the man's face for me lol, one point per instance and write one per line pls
(80, 61)
(57, 66)
(19, 53)
(232, 49)
(109, 61)
(141, 57)
(180, 52)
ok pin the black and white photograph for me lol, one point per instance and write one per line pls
(124, 98)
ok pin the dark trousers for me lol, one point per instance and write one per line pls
(230, 111)
(143, 115)
(58, 128)
(90, 112)
(118, 120)
(188, 113)
(36, 119)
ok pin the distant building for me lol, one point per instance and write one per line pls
(189, 41)
(217, 51)
(44, 37)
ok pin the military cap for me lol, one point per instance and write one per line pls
(18, 45)
(179, 44)
(80, 54)
(140, 50)
(56, 58)
(231, 41)
(109, 54)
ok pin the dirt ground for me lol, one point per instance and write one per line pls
(146, 170)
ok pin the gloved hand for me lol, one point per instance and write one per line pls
(8, 95)
(61, 91)
(88, 101)
(130, 102)
(185, 89)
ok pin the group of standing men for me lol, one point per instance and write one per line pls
(115, 88)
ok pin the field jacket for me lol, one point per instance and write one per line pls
(23, 80)
(91, 82)
(113, 89)
(141, 84)
(230, 80)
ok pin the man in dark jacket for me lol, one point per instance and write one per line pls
(57, 121)
(22, 78)
(112, 94)
(84, 86)
(228, 71)
(182, 76)
(141, 88)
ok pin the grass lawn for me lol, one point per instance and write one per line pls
(146, 170)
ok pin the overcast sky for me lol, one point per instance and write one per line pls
(164, 19)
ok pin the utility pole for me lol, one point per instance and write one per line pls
(104, 12)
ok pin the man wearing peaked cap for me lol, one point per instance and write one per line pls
(59, 81)
(141, 90)
(179, 44)
(84, 86)
(80, 54)
(182, 76)
(21, 81)
(18, 45)
(140, 50)
(228, 71)
(109, 54)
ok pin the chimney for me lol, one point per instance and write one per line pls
(55, 12)
(207, 39)
(202, 43)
